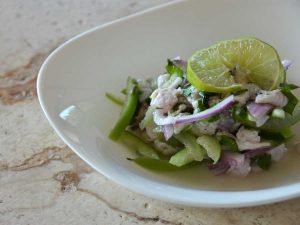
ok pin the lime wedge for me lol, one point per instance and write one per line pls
(212, 147)
(227, 65)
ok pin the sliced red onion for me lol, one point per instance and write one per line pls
(258, 110)
(256, 152)
(261, 121)
(168, 131)
(243, 168)
(239, 164)
(159, 119)
(219, 168)
(216, 109)
(234, 163)
(286, 64)
(276, 153)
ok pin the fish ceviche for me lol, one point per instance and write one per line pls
(229, 106)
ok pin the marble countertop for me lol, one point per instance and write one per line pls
(41, 180)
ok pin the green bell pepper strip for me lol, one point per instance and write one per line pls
(287, 133)
(154, 164)
(137, 144)
(159, 165)
(203, 101)
(114, 99)
(274, 125)
(228, 143)
(277, 125)
(240, 114)
(274, 138)
(129, 109)
(286, 89)
(263, 161)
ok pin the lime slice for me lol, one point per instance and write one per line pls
(227, 65)
(212, 147)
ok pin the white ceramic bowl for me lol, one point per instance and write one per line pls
(74, 78)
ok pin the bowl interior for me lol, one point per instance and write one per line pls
(73, 81)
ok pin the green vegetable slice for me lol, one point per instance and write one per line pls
(172, 69)
(171, 80)
(147, 120)
(228, 143)
(274, 138)
(137, 144)
(203, 101)
(286, 89)
(181, 158)
(212, 147)
(159, 165)
(193, 148)
(277, 125)
(240, 114)
(129, 109)
(278, 113)
(154, 164)
(287, 133)
(114, 99)
(263, 161)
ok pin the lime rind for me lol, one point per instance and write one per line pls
(210, 69)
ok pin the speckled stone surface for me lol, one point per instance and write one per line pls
(41, 180)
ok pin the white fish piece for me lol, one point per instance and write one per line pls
(278, 152)
(164, 148)
(159, 118)
(274, 97)
(194, 100)
(247, 135)
(242, 168)
(145, 88)
(162, 79)
(238, 164)
(251, 145)
(165, 99)
(249, 139)
(176, 82)
(250, 93)
(204, 127)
